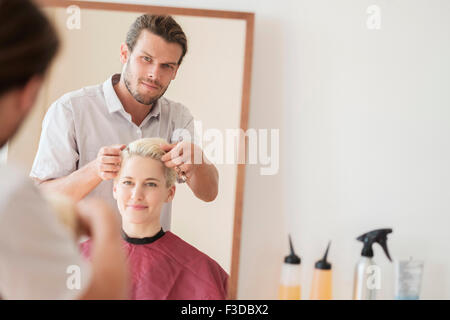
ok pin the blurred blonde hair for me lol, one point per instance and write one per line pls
(150, 148)
(65, 210)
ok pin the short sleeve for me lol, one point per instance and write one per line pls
(38, 257)
(57, 155)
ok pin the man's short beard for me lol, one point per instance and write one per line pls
(138, 97)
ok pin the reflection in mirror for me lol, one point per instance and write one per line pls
(213, 82)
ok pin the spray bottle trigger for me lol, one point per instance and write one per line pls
(383, 244)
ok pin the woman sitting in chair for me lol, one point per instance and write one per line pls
(162, 266)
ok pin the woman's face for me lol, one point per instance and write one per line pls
(141, 191)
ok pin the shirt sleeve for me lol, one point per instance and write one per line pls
(186, 121)
(189, 126)
(57, 155)
(38, 257)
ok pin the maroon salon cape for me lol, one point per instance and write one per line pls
(166, 267)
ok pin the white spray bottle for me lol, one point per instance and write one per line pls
(367, 276)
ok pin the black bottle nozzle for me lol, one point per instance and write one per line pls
(324, 264)
(376, 236)
(292, 258)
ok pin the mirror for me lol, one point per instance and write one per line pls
(213, 82)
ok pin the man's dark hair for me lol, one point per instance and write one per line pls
(28, 43)
(161, 25)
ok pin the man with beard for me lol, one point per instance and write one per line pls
(84, 131)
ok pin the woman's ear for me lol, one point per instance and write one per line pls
(171, 193)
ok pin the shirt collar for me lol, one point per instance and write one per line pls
(156, 110)
(112, 100)
(145, 240)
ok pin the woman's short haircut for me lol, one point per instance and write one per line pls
(150, 148)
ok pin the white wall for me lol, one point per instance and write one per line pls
(365, 129)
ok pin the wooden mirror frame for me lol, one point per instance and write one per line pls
(245, 102)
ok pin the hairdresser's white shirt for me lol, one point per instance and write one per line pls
(79, 123)
(36, 251)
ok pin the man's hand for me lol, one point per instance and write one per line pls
(183, 156)
(79, 183)
(189, 161)
(108, 161)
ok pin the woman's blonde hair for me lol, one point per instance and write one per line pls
(65, 210)
(150, 148)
